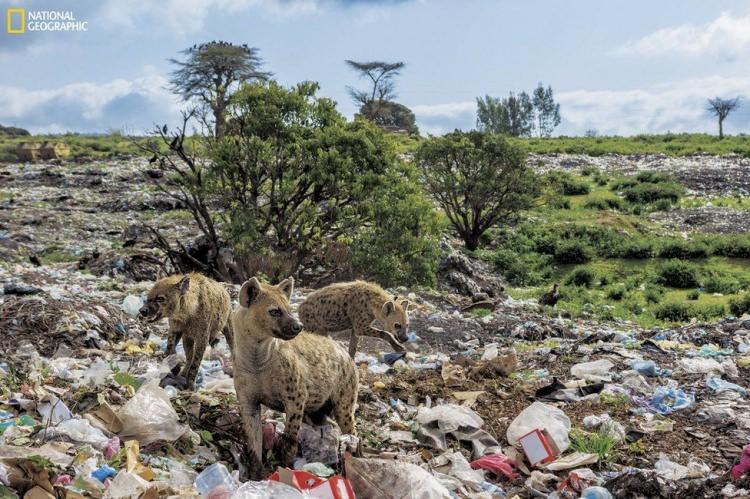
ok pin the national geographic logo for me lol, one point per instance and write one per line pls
(19, 21)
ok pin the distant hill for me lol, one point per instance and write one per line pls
(13, 131)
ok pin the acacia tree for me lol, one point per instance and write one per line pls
(381, 75)
(512, 115)
(547, 110)
(721, 108)
(210, 73)
(477, 178)
(377, 103)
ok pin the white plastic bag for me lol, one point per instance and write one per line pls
(598, 370)
(78, 431)
(449, 417)
(267, 490)
(378, 478)
(149, 416)
(541, 416)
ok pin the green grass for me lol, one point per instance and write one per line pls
(669, 144)
(599, 443)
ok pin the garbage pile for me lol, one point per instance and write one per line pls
(503, 403)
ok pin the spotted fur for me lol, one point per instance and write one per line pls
(355, 305)
(198, 309)
(278, 365)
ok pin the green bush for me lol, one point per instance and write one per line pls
(646, 193)
(721, 284)
(573, 251)
(685, 249)
(582, 276)
(637, 250)
(678, 274)
(652, 177)
(693, 294)
(617, 293)
(673, 312)
(653, 294)
(575, 187)
(740, 305)
(559, 203)
(734, 246)
(522, 269)
(589, 170)
(604, 203)
(708, 311)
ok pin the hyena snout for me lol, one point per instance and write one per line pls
(289, 328)
(150, 311)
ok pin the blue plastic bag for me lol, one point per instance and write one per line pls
(720, 385)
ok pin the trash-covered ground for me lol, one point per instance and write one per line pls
(494, 397)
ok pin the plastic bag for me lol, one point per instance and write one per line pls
(132, 304)
(319, 444)
(215, 480)
(499, 464)
(598, 370)
(720, 385)
(541, 416)
(700, 365)
(267, 490)
(667, 400)
(449, 417)
(379, 478)
(743, 466)
(149, 416)
(126, 485)
(649, 368)
(79, 431)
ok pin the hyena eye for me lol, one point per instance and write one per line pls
(397, 326)
(275, 312)
(160, 299)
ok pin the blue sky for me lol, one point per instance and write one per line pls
(619, 67)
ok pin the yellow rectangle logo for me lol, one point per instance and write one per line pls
(16, 17)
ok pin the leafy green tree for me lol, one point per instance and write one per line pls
(210, 73)
(390, 115)
(546, 109)
(478, 179)
(291, 175)
(512, 115)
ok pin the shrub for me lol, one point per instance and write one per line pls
(652, 177)
(478, 179)
(559, 203)
(734, 246)
(573, 251)
(693, 294)
(589, 170)
(653, 294)
(604, 203)
(575, 187)
(582, 276)
(637, 250)
(673, 312)
(707, 311)
(616, 293)
(720, 284)
(523, 269)
(740, 305)
(646, 193)
(678, 274)
(680, 248)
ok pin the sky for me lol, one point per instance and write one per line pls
(620, 67)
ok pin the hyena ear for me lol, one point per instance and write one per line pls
(404, 304)
(184, 284)
(286, 286)
(388, 308)
(249, 292)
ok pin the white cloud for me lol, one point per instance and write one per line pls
(727, 36)
(133, 105)
(670, 107)
(676, 107)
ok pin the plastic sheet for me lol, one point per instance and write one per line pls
(149, 416)
(379, 478)
(267, 490)
(541, 416)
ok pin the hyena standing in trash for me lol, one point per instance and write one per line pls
(286, 369)
(198, 309)
(355, 305)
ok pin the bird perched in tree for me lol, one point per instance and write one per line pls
(550, 297)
